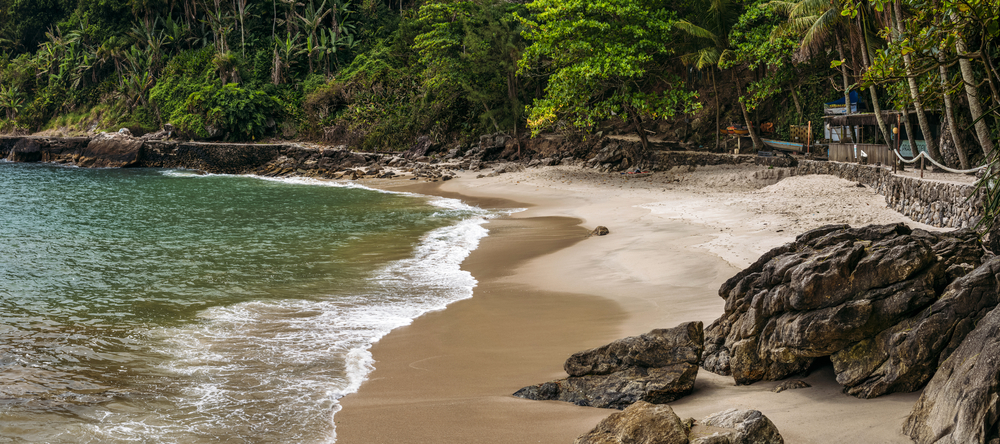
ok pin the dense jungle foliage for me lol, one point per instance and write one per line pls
(377, 74)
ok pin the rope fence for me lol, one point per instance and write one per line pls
(935, 163)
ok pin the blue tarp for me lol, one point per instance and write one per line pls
(840, 101)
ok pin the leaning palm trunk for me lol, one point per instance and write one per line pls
(918, 106)
(757, 143)
(975, 108)
(843, 73)
(865, 58)
(963, 157)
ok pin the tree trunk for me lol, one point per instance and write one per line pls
(847, 90)
(988, 62)
(757, 144)
(971, 91)
(990, 72)
(909, 133)
(633, 114)
(843, 73)
(866, 59)
(798, 106)
(918, 106)
(715, 89)
(641, 131)
(956, 138)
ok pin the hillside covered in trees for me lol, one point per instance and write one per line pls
(378, 74)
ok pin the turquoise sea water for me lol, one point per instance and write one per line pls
(163, 306)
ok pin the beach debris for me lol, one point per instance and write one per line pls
(645, 423)
(600, 231)
(790, 384)
(656, 367)
(885, 303)
(960, 401)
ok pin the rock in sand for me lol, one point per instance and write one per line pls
(656, 367)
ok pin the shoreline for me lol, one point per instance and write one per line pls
(448, 377)
(458, 366)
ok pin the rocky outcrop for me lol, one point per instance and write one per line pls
(111, 150)
(962, 401)
(876, 300)
(640, 423)
(645, 423)
(42, 149)
(741, 427)
(25, 150)
(220, 158)
(657, 367)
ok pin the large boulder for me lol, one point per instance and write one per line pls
(656, 367)
(640, 423)
(962, 400)
(111, 150)
(739, 427)
(857, 295)
(645, 423)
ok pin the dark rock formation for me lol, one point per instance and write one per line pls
(743, 427)
(873, 299)
(424, 146)
(960, 403)
(111, 151)
(657, 367)
(600, 231)
(26, 150)
(640, 423)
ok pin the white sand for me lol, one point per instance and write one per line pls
(675, 237)
(661, 263)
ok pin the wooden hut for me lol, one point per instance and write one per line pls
(859, 136)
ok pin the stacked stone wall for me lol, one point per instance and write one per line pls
(940, 204)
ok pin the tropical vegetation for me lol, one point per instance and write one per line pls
(378, 74)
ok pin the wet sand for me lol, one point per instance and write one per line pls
(546, 291)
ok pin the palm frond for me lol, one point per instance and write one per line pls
(695, 30)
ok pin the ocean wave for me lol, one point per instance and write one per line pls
(300, 356)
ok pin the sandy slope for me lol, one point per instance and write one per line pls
(546, 291)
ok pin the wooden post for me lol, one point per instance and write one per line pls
(922, 165)
(809, 135)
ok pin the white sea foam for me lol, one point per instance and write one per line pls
(278, 368)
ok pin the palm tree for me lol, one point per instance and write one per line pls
(816, 21)
(869, 43)
(972, 93)
(911, 80)
(712, 33)
(312, 19)
(284, 57)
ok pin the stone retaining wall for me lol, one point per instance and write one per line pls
(938, 204)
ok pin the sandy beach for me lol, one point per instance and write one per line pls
(547, 290)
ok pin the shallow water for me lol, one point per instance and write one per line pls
(163, 306)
